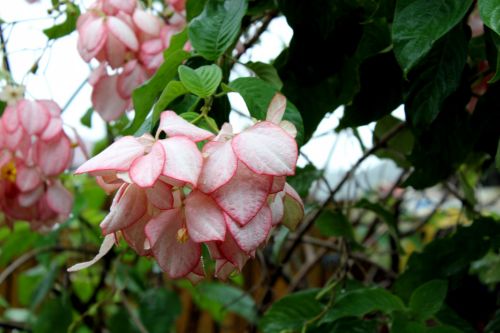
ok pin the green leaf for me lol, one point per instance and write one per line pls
(120, 322)
(145, 96)
(444, 329)
(86, 119)
(489, 10)
(258, 94)
(202, 81)
(438, 76)
(194, 8)
(221, 298)
(55, 317)
(290, 313)
(158, 310)
(177, 43)
(45, 285)
(359, 302)
(205, 122)
(173, 90)
(21, 239)
(217, 27)
(304, 178)
(266, 72)
(418, 24)
(399, 147)
(402, 323)
(66, 27)
(348, 325)
(427, 299)
(493, 39)
(334, 224)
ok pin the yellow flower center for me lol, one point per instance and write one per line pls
(182, 235)
(8, 172)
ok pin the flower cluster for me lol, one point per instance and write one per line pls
(127, 40)
(34, 151)
(172, 198)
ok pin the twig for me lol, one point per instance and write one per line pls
(6, 63)
(304, 270)
(250, 42)
(73, 96)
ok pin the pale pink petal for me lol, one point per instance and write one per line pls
(54, 156)
(147, 22)
(51, 106)
(244, 195)
(160, 195)
(226, 133)
(27, 178)
(276, 109)
(277, 207)
(136, 237)
(213, 249)
(59, 198)
(123, 32)
(92, 37)
(130, 207)
(232, 252)
(288, 127)
(53, 129)
(106, 246)
(34, 117)
(173, 126)
(115, 51)
(152, 47)
(267, 149)
(126, 6)
(183, 159)
(29, 198)
(146, 169)
(13, 140)
(293, 208)
(254, 233)
(106, 100)
(119, 156)
(174, 257)
(204, 219)
(10, 119)
(130, 79)
(278, 184)
(107, 187)
(97, 73)
(223, 269)
(219, 165)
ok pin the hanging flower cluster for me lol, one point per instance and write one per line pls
(34, 151)
(128, 41)
(172, 198)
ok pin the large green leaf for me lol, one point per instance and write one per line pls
(158, 310)
(427, 299)
(360, 302)
(258, 94)
(418, 24)
(145, 96)
(304, 178)
(266, 72)
(490, 13)
(438, 76)
(334, 224)
(217, 27)
(173, 90)
(55, 317)
(202, 81)
(290, 313)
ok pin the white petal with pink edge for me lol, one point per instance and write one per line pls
(254, 233)
(123, 32)
(27, 178)
(204, 219)
(34, 117)
(106, 100)
(54, 156)
(160, 195)
(183, 160)
(173, 126)
(220, 164)
(276, 109)
(106, 246)
(267, 149)
(59, 198)
(146, 169)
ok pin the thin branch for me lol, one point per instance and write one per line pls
(250, 42)
(5, 60)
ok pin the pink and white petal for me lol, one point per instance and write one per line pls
(129, 80)
(10, 119)
(106, 100)
(160, 195)
(254, 233)
(136, 236)
(213, 249)
(51, 106)
(278, 184)
(15, 139)
(232, 252)
(107, 187)
(277, 207)
(126, 6)
(115, 51)
(53, 129)
(123, 32)
(59, 198)
(152, 47)
(33, 116)
(92, 37)
(146, 169)
(147, 22)
(53, 157)
(276, 109)
(131, 206)
(293, 208)
(176, 258)
(106, 246)
(119, 156)
(173, 126)
(183, 160)
(27, 199)
(288, 127)
(223, 269)
(220, 164)
(267, 149)
(244, 195)
(27, 178)
(204, 219)
(97, 73)
(225, 134)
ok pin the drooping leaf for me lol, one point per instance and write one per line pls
(55, 317)
(266, 72)
(86, 119)
(216, 28)
(202, 81)
(66, 27)
(290, 313)
(335, 224)
(437, 77)
(427, 299)
(490, 13)
(418, 24)
(399, 147)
